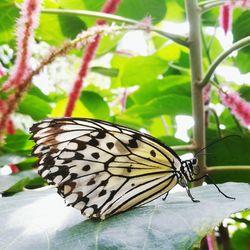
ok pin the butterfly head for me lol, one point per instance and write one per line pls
(190, 168)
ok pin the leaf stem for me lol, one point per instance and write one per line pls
(238, 45)
(217, 121)
(211, 4)
(111, 17)
(193, 16)
(228, 168)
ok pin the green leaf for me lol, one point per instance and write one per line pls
(240, 28)
(168, 104)
(95, 104)
(139, 9)
(10, 184)
(242, 62)
(108, 43)
(34, 106)
(38, 93)
(71, 25)
(151, 66)
(176, 223)
(93, 5)
(18, 142)
(175, 10)
(233, 151)
(245, 92)
(241, 239)
(8, 15)
(172, 84)
(112, 72)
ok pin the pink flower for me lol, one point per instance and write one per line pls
(226, 17)
(240, 3)
(25, 33)
(206, 94)
(226, 12)
(239, 107)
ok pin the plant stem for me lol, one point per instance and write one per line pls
(215, 169)
(217, 121)
(189, 147)
(110, 17)
(238, 45)
(193, 16)
(209, 5)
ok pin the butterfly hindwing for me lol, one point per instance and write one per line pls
(102, 168)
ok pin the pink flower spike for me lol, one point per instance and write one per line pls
(25, 33)
(240, 3)
(239, 107)
(225, 17)
(110, 6)
(10, 128)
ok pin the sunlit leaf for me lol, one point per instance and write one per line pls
(151, 66)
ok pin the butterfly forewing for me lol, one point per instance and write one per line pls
(102, 168)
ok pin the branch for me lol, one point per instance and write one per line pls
(238, 45)
(110, 17)
(215, 169)
(193, 16)
(189, 147)
(207, 5)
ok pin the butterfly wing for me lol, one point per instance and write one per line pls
(102, 168)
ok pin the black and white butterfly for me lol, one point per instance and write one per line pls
(103, 168)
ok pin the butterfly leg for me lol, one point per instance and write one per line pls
(190, 195)
(165, 197)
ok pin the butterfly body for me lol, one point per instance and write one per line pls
(102, 168)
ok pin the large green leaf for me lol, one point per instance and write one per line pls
(176, 223)
(142, 69)
(95, 104)
(240, 28)
(34, 106)
(242, 61)
(233, 151)
(168, 104)
(139, 9)
(55, 29)
(172, 84)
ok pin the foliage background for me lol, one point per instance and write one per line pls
(157, 82)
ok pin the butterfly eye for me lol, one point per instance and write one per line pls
(194, 161)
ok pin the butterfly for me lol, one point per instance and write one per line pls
(102, 169)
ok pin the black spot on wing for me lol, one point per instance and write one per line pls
(95, 155)
(86, 168)
(132, 143)
(152, 153)
(110, 145)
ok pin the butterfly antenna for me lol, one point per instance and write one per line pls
(214, 142)
(211, 180)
